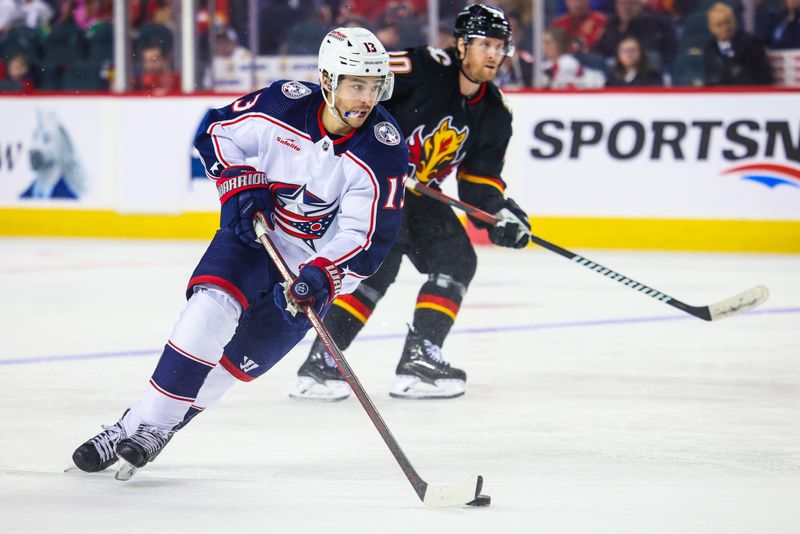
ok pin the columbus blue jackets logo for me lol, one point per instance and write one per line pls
(387, 134)
(295, 90)
(300, 213)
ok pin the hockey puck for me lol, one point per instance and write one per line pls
(481, 500)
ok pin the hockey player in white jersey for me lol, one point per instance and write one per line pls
(325, 166)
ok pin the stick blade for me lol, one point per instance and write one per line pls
(448, 495)
(747, 300)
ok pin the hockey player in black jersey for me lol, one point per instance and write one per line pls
(454, 119)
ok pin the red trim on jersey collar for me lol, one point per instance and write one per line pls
(477, 98)
(323, 132)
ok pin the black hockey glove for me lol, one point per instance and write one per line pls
(513, 229)
(243, 192)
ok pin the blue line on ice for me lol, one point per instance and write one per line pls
(376, 337)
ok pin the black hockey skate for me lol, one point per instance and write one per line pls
(98, 453)
(424, 374)
(140, 448)
(319, 378)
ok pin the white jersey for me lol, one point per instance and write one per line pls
(340, 198)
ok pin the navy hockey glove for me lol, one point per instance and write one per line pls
(243, 192)
(317, 284)
(513, 229)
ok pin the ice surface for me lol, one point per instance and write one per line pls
(589, 408)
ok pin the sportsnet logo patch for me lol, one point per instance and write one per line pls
(387, 134)
(295, 90)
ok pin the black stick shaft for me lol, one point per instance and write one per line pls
(701, 312)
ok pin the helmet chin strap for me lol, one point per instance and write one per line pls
(338, 116)
(329, 104)
(464, 73)
(461, 61)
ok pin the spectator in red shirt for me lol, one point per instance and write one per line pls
(583, 26)
(157, 76)
(373, 11)
(18, 79)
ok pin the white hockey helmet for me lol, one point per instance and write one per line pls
(353, 52)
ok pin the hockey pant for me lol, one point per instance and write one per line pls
(230, 331)
(436, 243)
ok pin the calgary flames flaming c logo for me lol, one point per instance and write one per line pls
(434, 156)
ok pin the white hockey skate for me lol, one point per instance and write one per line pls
(319, 379)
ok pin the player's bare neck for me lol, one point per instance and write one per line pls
(467, 87)
(333, 124)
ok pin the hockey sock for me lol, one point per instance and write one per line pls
(348, 315)
(216, 384)
(205, 326)
(437, 306)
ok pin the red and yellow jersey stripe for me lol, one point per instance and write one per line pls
(497, 183)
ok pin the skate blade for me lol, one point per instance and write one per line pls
(411, 387)
(73, 468)
(125, 470)
(309, 389)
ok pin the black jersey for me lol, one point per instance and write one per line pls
(446, 131)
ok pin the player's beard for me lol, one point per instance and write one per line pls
(479, 72)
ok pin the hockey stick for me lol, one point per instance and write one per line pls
(746, 300)
(438, 495)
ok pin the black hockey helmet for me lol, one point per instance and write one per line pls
(478, 20)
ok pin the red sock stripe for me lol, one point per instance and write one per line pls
(356, 304)
(168, 394)
(191, 357)
(440, 301)
(235, 371)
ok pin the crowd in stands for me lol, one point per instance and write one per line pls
(58, 45)
(55, 45)
(49, 45)
(670, 42)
